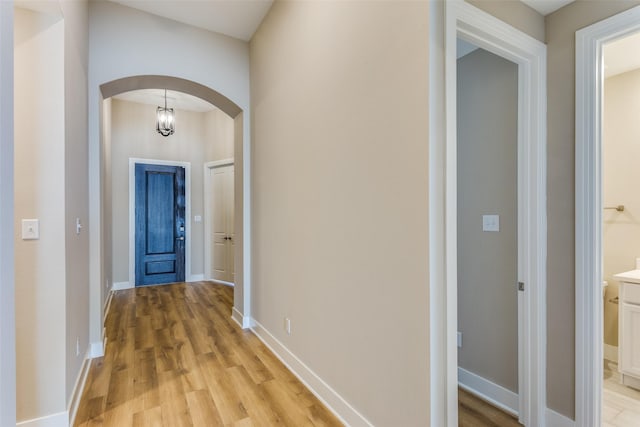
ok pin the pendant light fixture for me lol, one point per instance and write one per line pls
(165, 119)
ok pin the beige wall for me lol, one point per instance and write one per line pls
(340, 199)
(218, 134)
(52, 298)
(515, 13)
(487, 184)
(76, 175)
(621, 152)
(199, 138)
(106, 229)
(40, 193)
(560, 35)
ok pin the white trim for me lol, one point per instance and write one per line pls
(346, 413)
(78, 388)
(555, 419)
(495, 394)
(442, 371)
(588, 208)
(218, 163)
(196, 278)
(7, 276)
(471, 24)
(60, 419)
(207, 211)
(119, 286)
(132, 209)
(245, 322)
(222, 282)
(97, 348)
(610, 353)
(107, 305)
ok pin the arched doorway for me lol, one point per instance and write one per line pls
(101, 276)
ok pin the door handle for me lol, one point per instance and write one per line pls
(180, 238)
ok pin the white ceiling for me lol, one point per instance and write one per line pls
(622, 55)
(235, 18)
(545, 7)
(176, 100)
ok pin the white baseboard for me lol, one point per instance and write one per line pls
(222, 282)
(96, 349)
(554, 419)
(61, 419)
(610, 352)
(119, 286)
(196, 278)
(78, 388)
(107, 305)
(65, 418)
(245, 322)
(336, 403)
(493, 393)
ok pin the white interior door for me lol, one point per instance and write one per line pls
(222, 230)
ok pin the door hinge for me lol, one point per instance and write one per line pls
(521, 286)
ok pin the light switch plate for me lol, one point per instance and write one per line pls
(490, 222)
(30, 229)
(197, 218)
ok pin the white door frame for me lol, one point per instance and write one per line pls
(207, 214)
(132, 214)
(466, 21)
(7, 276)
(589, 91)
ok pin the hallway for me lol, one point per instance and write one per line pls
(175, 358)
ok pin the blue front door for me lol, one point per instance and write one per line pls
(160, 224)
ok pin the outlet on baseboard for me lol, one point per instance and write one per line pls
(287, 325)
(459, 339)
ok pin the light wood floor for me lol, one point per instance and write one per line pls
(474, 412)
(175, 358)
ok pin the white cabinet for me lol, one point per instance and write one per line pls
(629, 334)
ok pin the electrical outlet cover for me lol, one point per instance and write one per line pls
(490, 222)
(30, 229)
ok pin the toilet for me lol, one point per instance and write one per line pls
(604, 288)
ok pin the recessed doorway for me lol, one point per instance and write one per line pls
(219, 226)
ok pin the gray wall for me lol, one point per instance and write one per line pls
(487, 184)
(7, 269)
(561, 27)
(199, 138)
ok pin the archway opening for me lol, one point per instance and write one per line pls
(103, 275)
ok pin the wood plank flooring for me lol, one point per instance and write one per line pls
(474, 412)
(175, 358)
